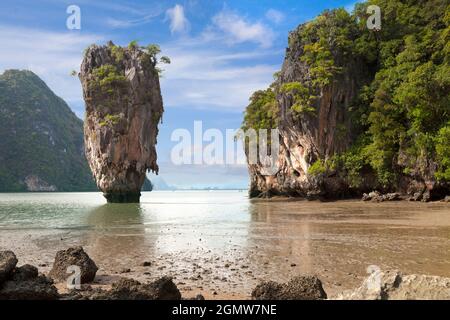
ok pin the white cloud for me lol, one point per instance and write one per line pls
(178, 21)
(118, 23)
(239, 30)
(51, 55)
(275, 16)
(206, 78)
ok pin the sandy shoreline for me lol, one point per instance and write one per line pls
(221, 256)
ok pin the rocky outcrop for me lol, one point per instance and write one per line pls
(8, 262)
(23, 283)
(73, 257)
(312, 136)
(36, 184)
(123, 108)
(326, 114)
(393, 285)
(129, 289)
(376, 196)
(298, 288)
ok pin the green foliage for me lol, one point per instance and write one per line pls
(110, 120)
(153, 50)
(133, 45)
(108, 79)
(165, 59)
(317, 168)
(118, 53)
(40, 136)
(301, 95)
(402, 116)
(411, 89)
(262, 112)
(443, 152)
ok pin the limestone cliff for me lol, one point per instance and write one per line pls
(308, 137)
(123, 108)
(359, 109)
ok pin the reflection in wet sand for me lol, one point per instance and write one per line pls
(225, 243)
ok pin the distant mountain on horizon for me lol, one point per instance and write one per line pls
(41, 138)
(159, 184)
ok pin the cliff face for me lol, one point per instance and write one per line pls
(123, 108)
(309, 137)
(358, 109)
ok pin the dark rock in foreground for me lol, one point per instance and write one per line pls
(298, 288)
(8, 262)
(129, 289)
(73, 257)
(23, 283)
(37, 288)
(25, 273)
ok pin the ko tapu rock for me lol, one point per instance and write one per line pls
(123, 109)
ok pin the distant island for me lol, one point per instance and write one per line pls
(41, 138)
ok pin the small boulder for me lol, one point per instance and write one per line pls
(298, 288)
(164, 289)
(73, 257)
(8, 262)
(269, 290)
(304, 288)
(129, 289)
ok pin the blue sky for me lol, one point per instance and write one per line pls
(221, 52)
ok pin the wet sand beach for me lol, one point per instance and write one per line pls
(221, 244)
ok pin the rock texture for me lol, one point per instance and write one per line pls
(393, 285)
(129, 289)
(73, 257)
(23, 283)
(8, 262)
(311, 137)
(123, 108)
(320, 121)
(298, 288)
(378, 197)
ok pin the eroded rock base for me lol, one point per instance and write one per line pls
(128, 197)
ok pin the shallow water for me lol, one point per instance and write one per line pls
(220, 241)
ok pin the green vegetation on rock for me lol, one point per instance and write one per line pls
(40, 136)
(403, 114)
(262, 112)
